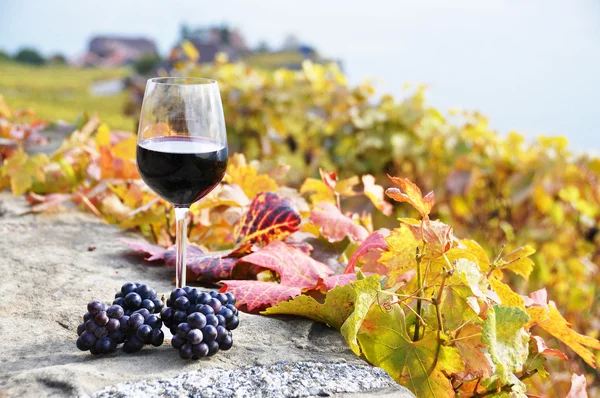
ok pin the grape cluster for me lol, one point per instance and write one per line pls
(141, 328)
(135, 296)
(201, 323)
(101, 330)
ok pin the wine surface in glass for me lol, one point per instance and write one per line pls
(182, 170)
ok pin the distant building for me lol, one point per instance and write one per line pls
(116, 51)
(212, 40)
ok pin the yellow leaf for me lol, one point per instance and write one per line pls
(103, 136)
(412, 194)
(320, 191)
(507, 296)
(558, 327)
(246, 176)
(126, 149)
(190, 50)
(518, 262)
(376, 194)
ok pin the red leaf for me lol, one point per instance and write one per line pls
(269, 218)
(578, 386)
(334, 225)
(543, 349)
(375, 243)
(156, 252)
(205, 267)
(412, 194)
(257, 296)
(293, 266)
(41, 203)
(438, 235)
(325, 285)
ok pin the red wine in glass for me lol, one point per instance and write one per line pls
(182, 170)
(182, 147)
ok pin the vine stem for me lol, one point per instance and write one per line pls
(419, 301)
(507, 388)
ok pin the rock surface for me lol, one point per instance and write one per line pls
(52, 265)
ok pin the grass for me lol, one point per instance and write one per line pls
(63, 93)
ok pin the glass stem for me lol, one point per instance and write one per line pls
(181, 237)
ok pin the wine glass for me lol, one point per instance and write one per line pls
(182, 146)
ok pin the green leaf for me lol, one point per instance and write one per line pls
(344, 308)
(508, 342)
(469, 273)
(419, 366)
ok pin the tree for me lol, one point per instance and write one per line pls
(263, 47)
(146, 64)
(30, 56)
(4, 56)
(57, 59)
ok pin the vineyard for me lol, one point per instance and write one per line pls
(465, 299)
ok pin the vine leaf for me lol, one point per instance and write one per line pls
(370, 250)
(258, 295)
(543, 349)
(244, 175)
(578, 387)
(471, 350)
(508, 342)
(335, 226)
(269, 218)
(410, 192)
(518, 261)
(376, 194)
(419, 366)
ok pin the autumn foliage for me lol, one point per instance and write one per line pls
(435, 310)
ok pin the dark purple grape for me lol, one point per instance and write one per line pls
(234, 323)
(166, 313)
(183, 329)
(222, 298)
(232, 308)
(101, 332)
(169, 302)
(154, 321)
(213, 348)
(213, 293)
(196, 320)
(128, 288)
(101, 318)
(177, 341)
(137, 284)
(192, 295)
(214, 304)
(91, 326)
(144, 312)
(209, 332)
(118, 294)
(133, 345)
(86, 341)
(148, 305)
(175, 293)
(104, 345)
(118, 336)
(206, 310)
(158, 305)
(194, 336)
(173, 330)
(144, 291)
(124, 321)
(230, 298)
(227, 313)
(80, 329)
(144, 333)
(112, 325)
(94, 307)
(115, 311)
(157, 337)
(203, 298)
(94, 351)
(179, 316)
(221, 320)
(135, 321)
(133, 300)
(226, 343)
(200, 350)
(186, 289)
(185, 352)
(182, 303)
(212, 320)
(128, 312)
(120, 302)
(222, 332)
(87, 316)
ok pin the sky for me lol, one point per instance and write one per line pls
(530, 65)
